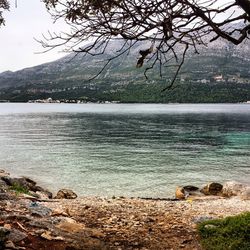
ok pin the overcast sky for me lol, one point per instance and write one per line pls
(17, 45)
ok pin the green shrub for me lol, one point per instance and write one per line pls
(230, 233)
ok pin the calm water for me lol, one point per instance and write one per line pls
(125, 149)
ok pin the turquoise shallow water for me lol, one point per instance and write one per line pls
(126, 149)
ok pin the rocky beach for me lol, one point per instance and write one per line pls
(32, 218)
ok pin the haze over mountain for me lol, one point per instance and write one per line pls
(220, 65)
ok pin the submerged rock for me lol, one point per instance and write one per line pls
(212, 188)
(65, 194)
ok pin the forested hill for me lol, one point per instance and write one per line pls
(219, 73)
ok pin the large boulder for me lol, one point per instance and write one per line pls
(180, 193)
(23, 182)
(65, 194)
(233, 188)
(27, 184)
(212, 188)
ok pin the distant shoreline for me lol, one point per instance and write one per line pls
(113, 102)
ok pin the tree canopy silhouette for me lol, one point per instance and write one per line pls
(4, 5)
(173, 27)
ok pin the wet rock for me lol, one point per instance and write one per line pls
(212, 188)
(180, 193)
(190, 188)
(233, 188)
(28, 184)
(28, 180)
(65, 194)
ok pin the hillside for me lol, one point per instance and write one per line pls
(220, 73)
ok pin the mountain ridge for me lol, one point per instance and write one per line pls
(72, 73)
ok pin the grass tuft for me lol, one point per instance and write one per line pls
(19, 189)
(223, 234)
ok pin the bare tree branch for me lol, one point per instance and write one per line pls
(4, 5)
(175, 27)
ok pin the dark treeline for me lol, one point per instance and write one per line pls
(146, 93)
